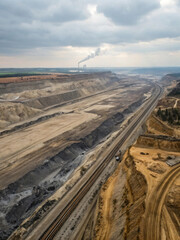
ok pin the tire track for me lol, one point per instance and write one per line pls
(152, 228)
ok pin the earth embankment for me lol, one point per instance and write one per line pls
(121, 203)
(140, 200)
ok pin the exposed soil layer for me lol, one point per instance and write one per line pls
(175, 91)
(156, 126)
(141, 199)
(159, 141)
(171, 220)
(121, 203)
(45, 102)
(42, 92)
(123, 198)
(15, 112)
(61, 165)
(47, 148)
(18, 84)
(27, 124)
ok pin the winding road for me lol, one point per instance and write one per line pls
(152, 227)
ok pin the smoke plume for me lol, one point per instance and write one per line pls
(92, 55)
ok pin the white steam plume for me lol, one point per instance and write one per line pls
(92, 55)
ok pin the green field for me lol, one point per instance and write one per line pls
(6, 73)
(15, 74)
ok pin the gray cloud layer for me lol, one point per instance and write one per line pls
(127, 12)
(30, 24)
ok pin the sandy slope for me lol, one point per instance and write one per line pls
(15, 112)
(144, 191)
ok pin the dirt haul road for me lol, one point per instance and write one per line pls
(152, 228)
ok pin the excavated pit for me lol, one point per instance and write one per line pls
(19, 199)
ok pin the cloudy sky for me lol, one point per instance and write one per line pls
(60, 33)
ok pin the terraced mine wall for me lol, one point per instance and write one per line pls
(44, 102)
(74, 87)
(126, 193)
(155, 124)
(127, 205)
(33, 188)
(24, 196)
(26, 99)
(161, 142)
(17, 85)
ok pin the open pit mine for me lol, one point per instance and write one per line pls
(62, 136)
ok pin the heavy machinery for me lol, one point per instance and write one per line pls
(118, 156)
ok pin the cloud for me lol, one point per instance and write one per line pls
(160, 45)
(17, 11)
(26, 26)
(178, 2)
(127, 12)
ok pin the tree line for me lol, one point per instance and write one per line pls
(171, 115)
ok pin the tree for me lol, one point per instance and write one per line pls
(166, 112)
(159, 112)
(164, 118)
(178, 116)
(170, 119)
